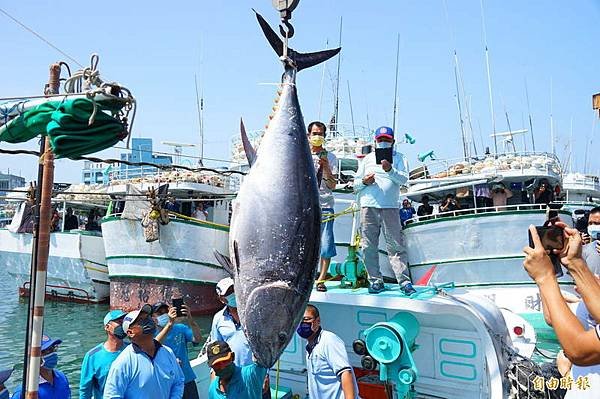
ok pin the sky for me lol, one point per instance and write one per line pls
(156, 48)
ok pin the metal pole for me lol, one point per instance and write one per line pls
(396, 83)
(41, 267)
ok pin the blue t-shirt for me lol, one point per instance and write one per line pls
(177, 338)
(246, 383)
(59, 389)
(135, 375)
(406, 214)
(224, 328)
(94, 371)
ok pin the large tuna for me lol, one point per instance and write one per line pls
(275, 229)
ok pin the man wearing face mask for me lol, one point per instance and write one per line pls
(326, 163)
(145, 369)
(226, 324)
(232, 381)
(53, 383)
(4, 375)
(176, 336)
(591, 251)
(98, 360)
(378, 190)
(330, 375)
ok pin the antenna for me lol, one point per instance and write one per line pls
(351, 111)
(177, 149)
(396, 84)
(551, 118)
(529, 112)
(462, 123)
(200, 108)
(337, 86)
(489, 78)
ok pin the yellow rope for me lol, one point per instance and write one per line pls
(277, 381)
(180, 216)
(331, 216)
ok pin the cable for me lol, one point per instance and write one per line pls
(39, 37)
(119, 161)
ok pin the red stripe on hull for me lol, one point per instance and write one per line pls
(129, 294)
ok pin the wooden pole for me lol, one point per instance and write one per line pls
(38, 291)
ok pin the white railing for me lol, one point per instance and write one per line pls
(489, 164)
(482, 210)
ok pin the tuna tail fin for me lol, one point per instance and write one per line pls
(301, 60)
(248, 149)
(224, 261)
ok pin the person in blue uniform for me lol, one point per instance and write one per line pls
(98, 360)
(330, 375)
(177, 336)
(232, 381)
(53, 382)
(146, 369)
(4, 375)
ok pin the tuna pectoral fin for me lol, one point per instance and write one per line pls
(248, 149)
(224, 261)
(302, 60)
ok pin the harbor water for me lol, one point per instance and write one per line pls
(79, 326)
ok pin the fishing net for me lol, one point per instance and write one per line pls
(75, 127)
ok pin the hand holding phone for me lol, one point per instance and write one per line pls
(551, 238)
(178, 303)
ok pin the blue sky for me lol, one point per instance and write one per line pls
(156, 48)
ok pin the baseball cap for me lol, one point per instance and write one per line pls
(48, 342)
(218, 351)
(5, 375)
(131, 317)
(384, 131)
(113, 315)
(224, 285)
(159, 305)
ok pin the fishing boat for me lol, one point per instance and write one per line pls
(77, 269)
(441, 342)
(181, 260)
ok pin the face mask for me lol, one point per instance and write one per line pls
(4, 394)
(594, 231)
(148, 326)
(316, 140)
(119, 333)
(304, 330)
(383, 144)
(50, 360)
(231, 302)
(162, 320)
(227, 372)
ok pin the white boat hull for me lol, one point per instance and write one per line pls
(77, 267)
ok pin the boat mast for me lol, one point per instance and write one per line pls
(200, 109)
(337, 86)
(529, 113)
(489, 78)
(396, 83)
(551, 120)
(322, 82)
(460, 114)
(351, 111)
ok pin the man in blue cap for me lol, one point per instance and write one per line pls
(377, 183)
(53, 382)
(98, 360)
(4, 375)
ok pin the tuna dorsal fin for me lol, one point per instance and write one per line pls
(302, 60)
(248, 149)
(224, 261)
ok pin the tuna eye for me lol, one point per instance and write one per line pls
(282, 337)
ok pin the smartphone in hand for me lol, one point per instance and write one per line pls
(178, 303)
(383, 153)
(552, 237)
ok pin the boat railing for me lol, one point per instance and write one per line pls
(591, 182)
(58, 291)
(491, 164)
(480, 210)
